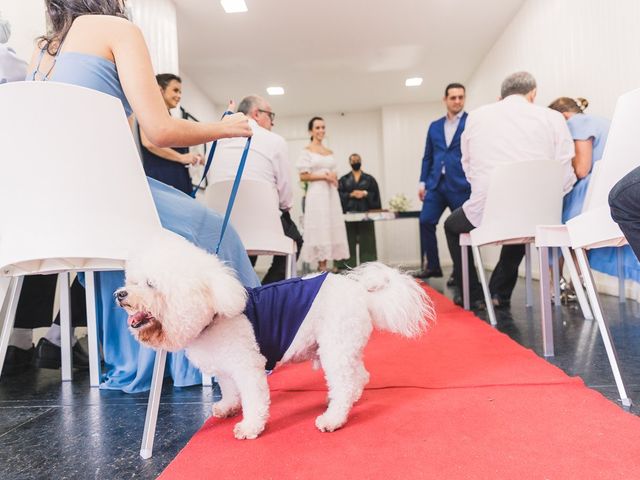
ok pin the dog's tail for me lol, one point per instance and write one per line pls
(396, 302)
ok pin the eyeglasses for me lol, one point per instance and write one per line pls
(272, 115)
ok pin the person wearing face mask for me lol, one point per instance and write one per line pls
(168, 165)
(359, 193)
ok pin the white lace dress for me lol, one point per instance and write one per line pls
(325, 234)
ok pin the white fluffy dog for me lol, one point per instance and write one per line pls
(178, 296)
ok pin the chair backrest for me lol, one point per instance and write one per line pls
(521, 195)
(73, 194)
(621, 153)
(255, 215)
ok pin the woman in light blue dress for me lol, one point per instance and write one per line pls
(93, 45)
(590, 135)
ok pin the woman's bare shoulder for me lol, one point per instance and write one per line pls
(109, 23)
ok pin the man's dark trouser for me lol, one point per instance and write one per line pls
(35, 305)
(624, 200)
(435, 203)
(364, 234)
(278, 268)
(504, 276)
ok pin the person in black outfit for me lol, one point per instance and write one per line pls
(359, 193)
(169, 165)
(35, 309)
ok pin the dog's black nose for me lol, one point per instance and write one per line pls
(121, 295)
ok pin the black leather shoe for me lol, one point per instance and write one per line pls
(17, 360)
(451, 282)
(500, 303)
(475, 304)
(47, 355)
(428, 273)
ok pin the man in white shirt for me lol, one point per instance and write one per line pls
(511, 130)
(267, 161)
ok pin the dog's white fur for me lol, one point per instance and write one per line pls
(178, 296)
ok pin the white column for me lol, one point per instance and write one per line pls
(157, 20)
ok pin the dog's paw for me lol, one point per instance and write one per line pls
(326, 423)
(247, 431)
(220, 410)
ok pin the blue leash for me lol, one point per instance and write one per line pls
(236, 182)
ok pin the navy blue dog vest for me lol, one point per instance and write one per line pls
(276, 312)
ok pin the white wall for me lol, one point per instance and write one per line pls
(27, 19)
(586, 48)
(157, 20)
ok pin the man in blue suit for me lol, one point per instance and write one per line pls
(442, 180)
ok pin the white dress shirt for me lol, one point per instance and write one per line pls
(268, 160)
(511, 130)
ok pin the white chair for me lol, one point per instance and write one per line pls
(79, 202)
(256, 218)
(594, 227)
(521, 195)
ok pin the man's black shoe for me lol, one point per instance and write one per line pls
(17, 360)
(428, 273)
(500, 303)
(475, 304)
(48, 355)
(451, 281)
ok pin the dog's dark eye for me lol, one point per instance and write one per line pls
(150, 284)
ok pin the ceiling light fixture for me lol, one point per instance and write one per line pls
(275, 90)
(234, 6)
(413, 82)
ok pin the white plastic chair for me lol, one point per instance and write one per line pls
(594, 227)
(521, 195)
(256, 218)
(79, 202)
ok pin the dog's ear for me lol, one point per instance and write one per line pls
(227, 294)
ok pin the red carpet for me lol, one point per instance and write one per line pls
(463, 402)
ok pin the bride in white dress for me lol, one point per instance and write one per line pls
(325, 234)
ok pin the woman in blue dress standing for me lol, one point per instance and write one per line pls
(92, 44)
(168, 165)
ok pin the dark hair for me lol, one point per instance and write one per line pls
(311, 123)
(355, 155)
(164, 79)
(62, 13)
(566, 104)
(453, 85)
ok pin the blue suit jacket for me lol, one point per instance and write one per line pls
(437, 155)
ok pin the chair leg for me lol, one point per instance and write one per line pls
(289, 266)
(604, 328)
(294, 265)
(146, 448)
(556, 277)
(466, 300)
(485, 285)
(577, 284)
(621, 290)
(528, 277)
(92, 330)
(13, 296)
(545, 303)
(65, 326)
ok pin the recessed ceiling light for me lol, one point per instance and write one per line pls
(413, 82)
(275, 90)
(234, 6)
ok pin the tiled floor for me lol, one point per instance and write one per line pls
(69, 431)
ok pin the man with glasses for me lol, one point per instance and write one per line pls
(267, 161)
(442, 181)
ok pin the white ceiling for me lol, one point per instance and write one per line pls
(337, 55)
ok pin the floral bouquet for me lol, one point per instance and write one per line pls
(399, 203)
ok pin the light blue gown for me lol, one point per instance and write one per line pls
(129, 365)
(583, 127)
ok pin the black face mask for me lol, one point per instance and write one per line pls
(356, 166)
